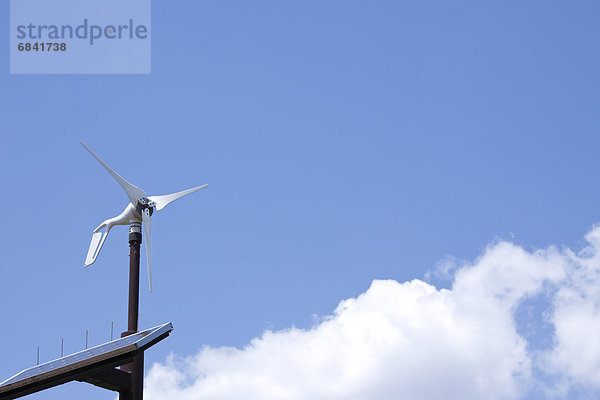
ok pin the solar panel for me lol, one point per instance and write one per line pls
(103, 354)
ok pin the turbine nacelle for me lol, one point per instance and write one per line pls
(145, 203)
(139, 210)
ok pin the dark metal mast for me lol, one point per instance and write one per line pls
(136, 368)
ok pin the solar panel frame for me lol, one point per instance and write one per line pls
(117, 351)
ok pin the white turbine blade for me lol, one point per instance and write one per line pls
(147, 222)
(162, 201)
(133, 192)
(98, 239)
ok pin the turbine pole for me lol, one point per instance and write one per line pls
(135, 240)
(136, 368)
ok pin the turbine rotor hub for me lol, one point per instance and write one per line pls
(144, 203)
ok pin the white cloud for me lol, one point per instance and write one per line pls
(411, 340)
(576, 356)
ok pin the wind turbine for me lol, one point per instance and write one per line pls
(138, 211)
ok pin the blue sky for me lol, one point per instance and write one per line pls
(342, 142)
